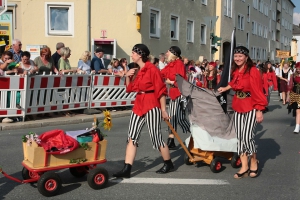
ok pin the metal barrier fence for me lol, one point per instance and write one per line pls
(21, 96)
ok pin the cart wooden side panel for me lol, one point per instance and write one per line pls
(38, 158)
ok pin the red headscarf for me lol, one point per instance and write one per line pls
(297, 65)
(212, 64)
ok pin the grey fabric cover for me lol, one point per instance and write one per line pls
(211, 128)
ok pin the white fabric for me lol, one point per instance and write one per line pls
(161, 65)
(204, 141)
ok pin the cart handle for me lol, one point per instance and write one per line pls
(180, 141)
(10, 177)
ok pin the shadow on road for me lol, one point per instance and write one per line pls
(274, 107)
(267, 149)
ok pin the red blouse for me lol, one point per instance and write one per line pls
(272, 80)
(148, 79)
(210, 78)
(169, 72)
(249, 83)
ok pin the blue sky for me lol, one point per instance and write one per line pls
(296, 17)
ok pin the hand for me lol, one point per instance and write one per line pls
(168, 81)
(286, 80)
(15, 70)
(259, 116)
(221, 89)
(165, 115)
(131, 72)
(8, 61)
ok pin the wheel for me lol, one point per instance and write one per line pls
(49, 184)
(236, 161)
(187, 160)
(97, 178)
(26, 174)
(215, 165)
(78, 171)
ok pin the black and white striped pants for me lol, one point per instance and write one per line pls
(153, 118)
(177, 115)
(245, 124)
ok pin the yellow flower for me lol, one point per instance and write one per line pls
(106, 113)
(107, 124)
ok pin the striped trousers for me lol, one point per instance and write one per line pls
(177, 115)
(153, 119)
(270, 89)
(244, 124)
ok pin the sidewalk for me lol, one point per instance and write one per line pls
(52, 121)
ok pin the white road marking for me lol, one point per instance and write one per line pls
(171, 181)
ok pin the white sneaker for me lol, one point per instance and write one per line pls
(297, 128)
(7, 120)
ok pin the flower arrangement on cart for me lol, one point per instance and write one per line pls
(80, 151)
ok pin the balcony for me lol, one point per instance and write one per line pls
(277, 45)
(278, 7)
(278, 26)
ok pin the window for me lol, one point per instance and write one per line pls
(154, 23)
(190, 31)
(240, 22)
(255, 4)
(274, 15)
(174, 28)
(248, 13)
(247, 38)
(227, 8)
(203, 34)
(266, 10)
(59, 18)
(204, 2)
(253, 52)
(266, 32)
(254, 28)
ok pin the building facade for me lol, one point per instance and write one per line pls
(263, 26)
(112, 24)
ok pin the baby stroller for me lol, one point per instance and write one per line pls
(212, 132)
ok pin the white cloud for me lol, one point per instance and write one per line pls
(296, 18)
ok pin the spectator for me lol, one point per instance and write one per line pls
(162, 62)
(115, 68)
(156, 62)
(16, 50)
(63, 63)
(97, 63)
(27, 66)
(84, 63)
(123, 64)
(6, 59)
(56, 55)
(44, 62)
(217, 64)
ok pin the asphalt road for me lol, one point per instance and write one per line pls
(278, 153)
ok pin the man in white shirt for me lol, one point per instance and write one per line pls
(161, 63)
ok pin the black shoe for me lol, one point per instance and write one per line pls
(18, 106)
(280, 100)
(168, 167)
(124, 173)
(171, 143)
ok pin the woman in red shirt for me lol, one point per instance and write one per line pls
(212, 77)
(149, 107)
(175, 66)
(271, 80)
(294, 86)
(248, 103)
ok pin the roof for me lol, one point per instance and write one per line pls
(293, 3)
(296, 29)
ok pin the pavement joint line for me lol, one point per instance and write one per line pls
(171, 181)
(80, 118)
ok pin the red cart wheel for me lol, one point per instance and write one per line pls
(236, 161)
(97, 178)
(216, 165)
(26, 174)
(49, 184)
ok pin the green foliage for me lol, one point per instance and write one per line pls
(77, 161)
(84, 145)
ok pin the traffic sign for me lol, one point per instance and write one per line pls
(3, 6)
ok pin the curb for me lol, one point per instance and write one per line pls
(60, 121)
